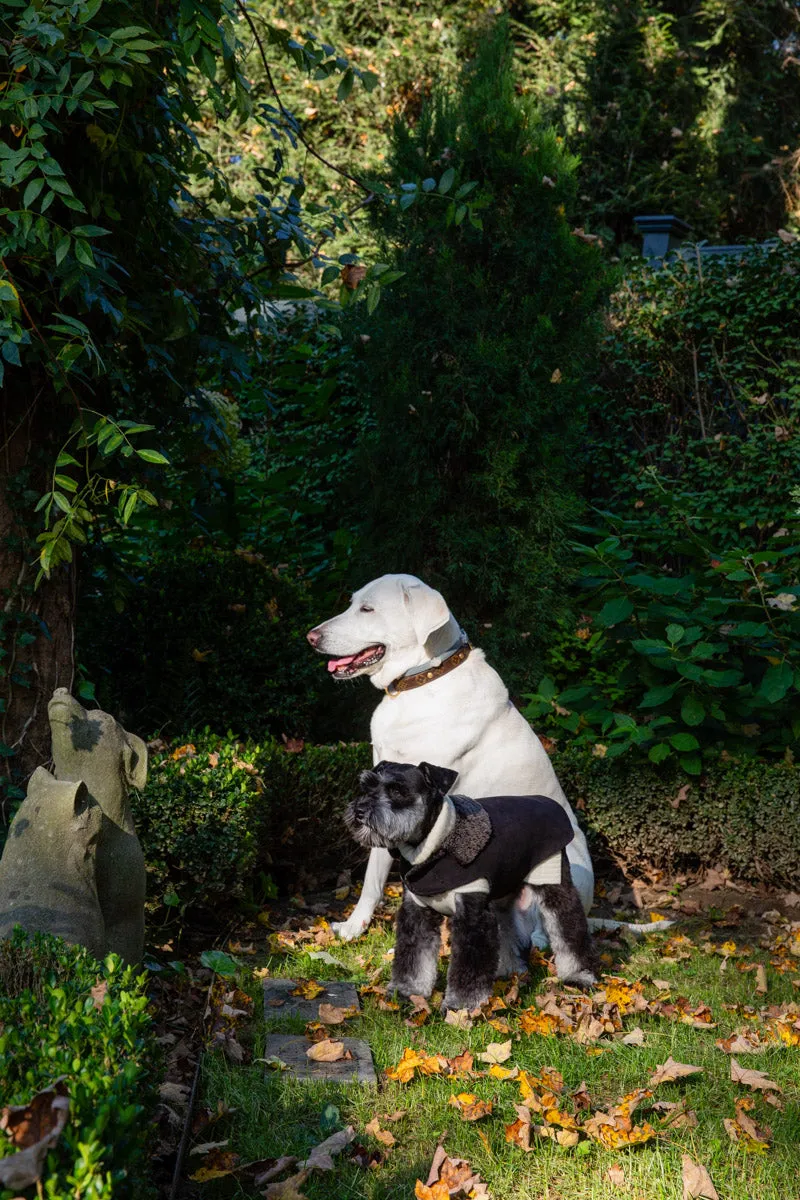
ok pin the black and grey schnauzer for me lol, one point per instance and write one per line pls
(479, 862)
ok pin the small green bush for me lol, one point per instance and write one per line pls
(213, 637)
(743, 815)
(51, 1027)
(216, 813)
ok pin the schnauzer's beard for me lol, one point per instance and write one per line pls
(375, 823)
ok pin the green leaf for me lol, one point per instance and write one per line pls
(153, 456)
(547, 689)
(658, 695)
(447, 181)
(684, 741)
(62, 502)
(692, 710)
(776, 682)
(675, 633)
(614, 611)
(465, 189)
(370, 80)
(428, 185)
(32, 191)
(219, 962)
(691, 763)
(330, 275)
(345, 85)
(65, 482)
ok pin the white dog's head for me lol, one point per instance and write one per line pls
(386, 631)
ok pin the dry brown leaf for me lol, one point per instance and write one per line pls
(496, 1052)
(460, 1065)
(677, 1115)
(634, 1038)
(422, 1010)
(470, 1107)
(697, 1181)
(564, 1137)
(459, 1018)
(519, 1131)
(383, 1135)
(414, 1060)
(749, 1042)
(451, 1178)
(756, 1080)
(743, 1129)
(34, 1128)
(327, 1051)
(761, 979)
(437, 1191)
(669, 1071)
(615, 1176)
(330, 1014)
(99, 992)
(287, 1189)
(321, 1157)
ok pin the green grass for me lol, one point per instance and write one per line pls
(278, 1116)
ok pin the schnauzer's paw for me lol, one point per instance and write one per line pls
(581, 979)
(464, 1000)
(349, 930)
(404, 989)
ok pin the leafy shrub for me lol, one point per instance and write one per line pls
(50, 1026)
(679, 664)
(218, 813)
(743, 815)
(214, 637)
(686, 631)
(476, 362)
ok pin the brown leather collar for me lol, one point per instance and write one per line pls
(407, 682)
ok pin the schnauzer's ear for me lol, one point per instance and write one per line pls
(381, 766)
(368, 779)
(438, 779)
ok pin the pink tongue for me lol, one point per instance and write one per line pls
(335, 663)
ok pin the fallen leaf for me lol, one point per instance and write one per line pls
(217, 1165)
(437, 1191)
(459, 1018)
(451, 1177)
(496, 1052)
(761, 979)
(749, 1042)
(519, 1131)
(498, 1072)
(744, 1129)
(321, 1157)
(461, 1064)
(278, 1167)
(422, 1010)
(677, 1115)
(287, 1189)
(411, 1061)
(669, 1071)
(615, 1176)
(99, 992)
(327, 1051)
(470, 1107)
(756, 1080)
(329, 1014)
(697, 1181)
(383, 1135)
(34, 1128)
(308, 989)
(634, 1038)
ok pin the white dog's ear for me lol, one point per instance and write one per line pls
(428, 610)
(438, 779)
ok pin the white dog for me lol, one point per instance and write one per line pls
(443, 704)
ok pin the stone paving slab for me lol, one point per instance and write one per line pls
(279, 1002)
(291, 1048)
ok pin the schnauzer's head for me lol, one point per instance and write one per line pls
(397, 803)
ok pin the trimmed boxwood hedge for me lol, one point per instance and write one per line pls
(50, 1026)
(223, 811)
(742, 815)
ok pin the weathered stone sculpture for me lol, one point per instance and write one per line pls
(47, 872)
(92, 747)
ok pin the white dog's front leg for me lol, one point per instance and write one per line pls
(378, 867)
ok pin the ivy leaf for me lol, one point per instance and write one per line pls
(219, 962)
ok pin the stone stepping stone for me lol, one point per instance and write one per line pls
(279, 1001)
(291, 1049)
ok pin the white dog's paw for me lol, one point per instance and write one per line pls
(349, 930)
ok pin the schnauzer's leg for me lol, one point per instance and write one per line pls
(513, 938)
(474, 952)
(416, 949)
(565, 924)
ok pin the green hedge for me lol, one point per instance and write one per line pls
(215, 819)
(50, 1026)
(745, 816)
(222, 812)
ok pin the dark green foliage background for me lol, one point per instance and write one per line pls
(476, 366)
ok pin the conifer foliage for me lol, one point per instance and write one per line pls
(475, 363)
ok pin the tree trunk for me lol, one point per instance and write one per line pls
(36, 624)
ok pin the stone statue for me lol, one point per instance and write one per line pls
(47, 872)
(72, 864)
(92, 747)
